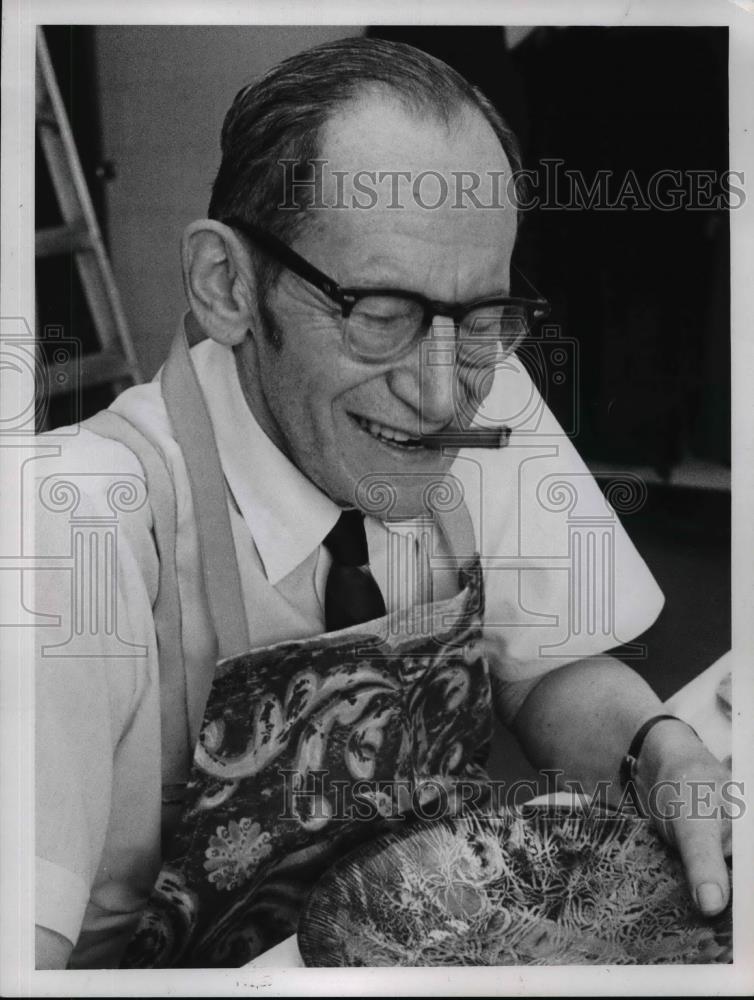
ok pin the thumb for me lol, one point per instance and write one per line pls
(700, 844)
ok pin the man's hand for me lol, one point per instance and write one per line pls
(680, 785)
(580, 719)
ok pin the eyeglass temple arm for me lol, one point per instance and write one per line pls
(300, 266)
(290, 258)
(536, 291)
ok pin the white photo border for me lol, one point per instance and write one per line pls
(19, 19)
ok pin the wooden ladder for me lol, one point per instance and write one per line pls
(115, 362)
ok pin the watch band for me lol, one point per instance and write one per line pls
(628, 764)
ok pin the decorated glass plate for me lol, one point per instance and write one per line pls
(539, 886)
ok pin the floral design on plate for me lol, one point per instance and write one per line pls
(534, 886)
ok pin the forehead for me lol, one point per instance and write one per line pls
(378, 131)
(411, 197)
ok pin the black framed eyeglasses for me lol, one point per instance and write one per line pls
(384, 324)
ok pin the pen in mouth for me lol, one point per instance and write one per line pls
(474, 437)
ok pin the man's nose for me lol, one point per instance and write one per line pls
(427, 378)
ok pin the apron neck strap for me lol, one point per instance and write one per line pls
(192, 429)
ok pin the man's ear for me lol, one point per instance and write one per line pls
(219, 280)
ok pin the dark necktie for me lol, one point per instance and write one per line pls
(351, 593)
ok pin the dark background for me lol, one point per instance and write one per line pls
(645, 293)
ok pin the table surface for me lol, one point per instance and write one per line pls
(696, 703)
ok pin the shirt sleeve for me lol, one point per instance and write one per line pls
(563, 580)
(94, 601)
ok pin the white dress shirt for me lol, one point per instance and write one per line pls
(97, 710)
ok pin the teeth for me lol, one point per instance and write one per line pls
(379, 430)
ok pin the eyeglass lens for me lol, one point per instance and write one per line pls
(381, 327)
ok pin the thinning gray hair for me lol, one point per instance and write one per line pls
(280, 117)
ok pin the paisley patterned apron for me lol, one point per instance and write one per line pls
(306, 748)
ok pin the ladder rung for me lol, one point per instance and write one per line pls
(89, 370)
(47, 118)
(72, 238)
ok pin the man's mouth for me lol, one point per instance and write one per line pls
(390, 436)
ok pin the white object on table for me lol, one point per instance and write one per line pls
(284, 955)
(696, 703)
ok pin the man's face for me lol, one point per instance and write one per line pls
(335, 417)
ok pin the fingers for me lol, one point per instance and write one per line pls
(700, 843)
(691, 809)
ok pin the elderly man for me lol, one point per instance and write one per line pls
(340, 253)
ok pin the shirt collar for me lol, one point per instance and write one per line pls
(287, 515)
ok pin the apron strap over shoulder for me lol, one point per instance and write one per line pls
(192, 429)
(175, 727)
